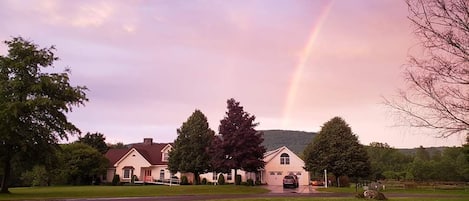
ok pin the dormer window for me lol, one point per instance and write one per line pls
(284, 159)
(165, 156)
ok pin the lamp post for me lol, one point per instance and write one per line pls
(325, 178)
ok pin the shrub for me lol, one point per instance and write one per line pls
(134, 178)
(204, 181)
(344, 181)
(258, 182)
(184, 180)
(250, 182)
(221, 180)
(238, 179)
(116, 180)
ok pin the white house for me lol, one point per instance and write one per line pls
(281, 162)
(149, 162)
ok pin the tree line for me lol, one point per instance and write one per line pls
(78, 163)
(450, 164)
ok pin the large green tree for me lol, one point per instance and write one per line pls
(239, 145)
(95, 140)
(437, 78)
(190, 153)
(81, 163)
(337, 150)
(33, 104)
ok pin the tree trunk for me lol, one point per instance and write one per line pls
(236, 176)
(6, 174)
(337, 178)
(196, 178)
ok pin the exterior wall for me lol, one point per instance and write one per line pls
(274, 171)
(134, 159)
(210, 178)
(109, 175)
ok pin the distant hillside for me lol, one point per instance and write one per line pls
(294, 140)
(431, 150)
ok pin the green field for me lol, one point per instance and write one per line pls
(41, 193)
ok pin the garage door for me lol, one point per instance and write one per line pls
(276, 177)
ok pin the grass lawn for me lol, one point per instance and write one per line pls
(459, 192)
(41, 193)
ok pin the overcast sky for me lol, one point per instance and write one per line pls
(293, 64)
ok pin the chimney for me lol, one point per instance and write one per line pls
(147, 141)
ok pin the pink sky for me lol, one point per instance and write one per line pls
(293, 64)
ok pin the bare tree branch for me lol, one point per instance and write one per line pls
(437, 93)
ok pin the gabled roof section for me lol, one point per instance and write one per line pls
(151, 152)
(114, 155)
(268, 156)
(166, 148)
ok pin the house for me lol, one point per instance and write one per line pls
(281, 162)
(148, 161)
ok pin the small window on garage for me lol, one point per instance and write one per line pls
(214, 176)
(279, 173)
(229, 176)
(284, 159)
(272, 173)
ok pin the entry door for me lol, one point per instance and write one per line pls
(161, 174)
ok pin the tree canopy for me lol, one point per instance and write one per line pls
(82, 164)
(190, 153)
(438, 79)
(33, 104)
(239, 145)
(337, 150)
(387, 162)
(95, 140)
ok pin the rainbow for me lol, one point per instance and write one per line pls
(304, 57)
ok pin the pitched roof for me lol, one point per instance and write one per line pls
(151, 152)
(113, 155)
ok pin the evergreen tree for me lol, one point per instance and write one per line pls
(337, 150)
(189, 153)
(33, 105)
(239, 145)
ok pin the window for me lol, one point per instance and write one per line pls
(214, 177)
(161, 174)
(229, 177)
(284, 159)
(279, 173)
(165, 156)
(126, 173)
(272, 173)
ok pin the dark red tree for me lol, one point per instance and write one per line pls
(239, 144)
